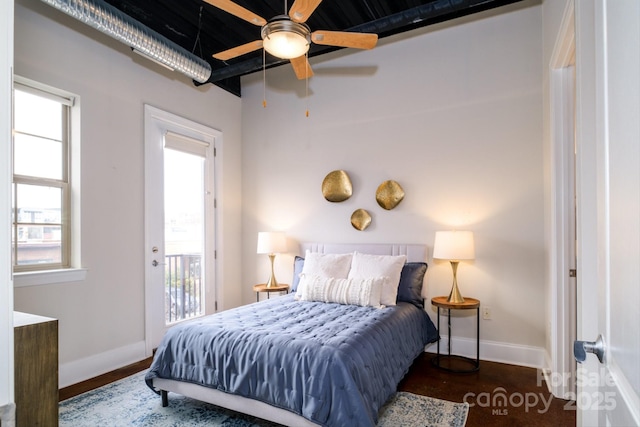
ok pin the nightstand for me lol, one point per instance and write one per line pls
(468, 304)
(263, 288)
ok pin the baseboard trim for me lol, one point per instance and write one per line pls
(89, 367)
(493, 351)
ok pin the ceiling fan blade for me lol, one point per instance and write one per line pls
(301, 67)
(238, 50)
(301, 10)
(345, 39)
(239, 11)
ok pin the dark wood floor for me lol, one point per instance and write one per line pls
(93, 383)
(498, 394)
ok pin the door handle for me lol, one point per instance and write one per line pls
(581, 348)
(156, 263)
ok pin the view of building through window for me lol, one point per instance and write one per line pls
(40, 182)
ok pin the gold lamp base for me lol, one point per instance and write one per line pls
(455, 296)
(272, 282)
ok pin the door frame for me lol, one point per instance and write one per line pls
(560, 375)
(156, 123)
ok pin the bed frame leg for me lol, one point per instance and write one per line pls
(165, 398)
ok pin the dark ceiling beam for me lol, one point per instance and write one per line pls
(231, 85)
(417, 17)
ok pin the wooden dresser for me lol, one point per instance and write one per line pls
(36, 370)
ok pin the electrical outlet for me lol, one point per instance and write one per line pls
(486, 313)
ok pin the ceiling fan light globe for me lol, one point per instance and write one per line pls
(286, 45)
(284, 38)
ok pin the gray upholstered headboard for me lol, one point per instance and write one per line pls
(414, 252)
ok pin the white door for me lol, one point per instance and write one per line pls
(179, 221)
(608, 141)
(6, 278)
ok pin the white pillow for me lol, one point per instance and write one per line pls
(327, 265)
(388, 266)
(364, 292)
(324, 265)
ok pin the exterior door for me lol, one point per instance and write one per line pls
(179, 221)
(608, 156)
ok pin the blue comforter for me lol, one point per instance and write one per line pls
(333, 364)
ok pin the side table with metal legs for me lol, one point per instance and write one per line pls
(468, 304)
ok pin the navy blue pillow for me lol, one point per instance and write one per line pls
(411, 279)
(298, 263)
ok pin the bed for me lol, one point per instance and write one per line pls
(304, 359)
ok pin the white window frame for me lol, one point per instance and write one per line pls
(70, 269)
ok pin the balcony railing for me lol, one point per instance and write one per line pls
(184, 287)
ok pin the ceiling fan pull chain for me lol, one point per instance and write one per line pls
(306, 72)
(264, 81)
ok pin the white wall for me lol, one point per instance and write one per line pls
(451, 112)
(102, 317)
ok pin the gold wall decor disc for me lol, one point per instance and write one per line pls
(360, 219)
(336, 186)
(389, 195)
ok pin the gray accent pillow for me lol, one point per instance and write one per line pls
(411, 280)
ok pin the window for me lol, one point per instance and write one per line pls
(41, 211)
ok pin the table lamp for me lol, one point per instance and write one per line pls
(271, 242)
(454, 246)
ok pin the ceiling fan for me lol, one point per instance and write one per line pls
(288, 37)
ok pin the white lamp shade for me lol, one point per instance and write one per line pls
(271, 242)
(454, 245)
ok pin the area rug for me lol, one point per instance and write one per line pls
(129, 402)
